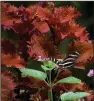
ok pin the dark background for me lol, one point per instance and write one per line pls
(85, 7)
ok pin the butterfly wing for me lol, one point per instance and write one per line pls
(68, 62)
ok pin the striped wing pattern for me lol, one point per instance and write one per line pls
(68, 62)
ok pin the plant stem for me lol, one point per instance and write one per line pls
(46, 83)
(56, 76)
(47, 77)
(50, 93)
(58, 98)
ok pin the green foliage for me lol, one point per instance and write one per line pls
(70, 96)
(48, 65)
(45, 68)
(70, 80)
(33, 73)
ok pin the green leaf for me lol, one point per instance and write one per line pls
(69, 80)
(73, 96)
(49, 64)
(45, 68)
(33, 73)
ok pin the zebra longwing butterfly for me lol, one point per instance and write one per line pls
(65, 63)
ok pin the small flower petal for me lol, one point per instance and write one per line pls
(91, 73)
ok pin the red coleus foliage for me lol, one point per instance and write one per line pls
(86, 50)
(7, 86)
(41, 45)
(61, 19)
(38, 29)
(9, 15)
(42, 18)
(14, 61)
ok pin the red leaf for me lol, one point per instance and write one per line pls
(64, 74)
(42, 27)
(43, 13)
(70, 87)
(25, 22)
(7, 86)
(72, 30)
(61, 20)
(40, 45)
(12, 61)
(8, 15)
(63, 15)
(41, 96)
(92, 60)
(86, 50)
(32, 82)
